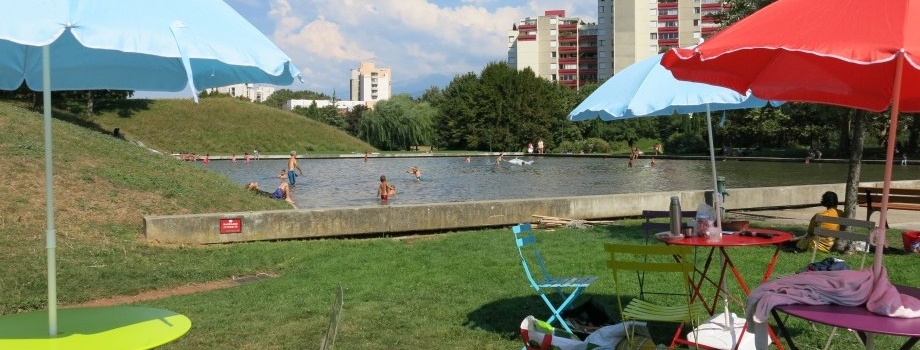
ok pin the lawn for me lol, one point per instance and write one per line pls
(449, 291)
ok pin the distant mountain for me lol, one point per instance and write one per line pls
(417, 86)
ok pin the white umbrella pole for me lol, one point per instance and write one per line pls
(716, 196)
(716, 205)
(50, 234)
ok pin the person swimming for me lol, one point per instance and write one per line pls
(415, 171)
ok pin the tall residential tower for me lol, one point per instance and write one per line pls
(632, 30)
(369, 83)
(558, 48)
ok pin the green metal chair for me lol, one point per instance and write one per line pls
(659, 260)
(568, 288)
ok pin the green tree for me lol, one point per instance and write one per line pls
(398, 123)
(503, 109)
(279, 97)
(353, 119)
(326, 114)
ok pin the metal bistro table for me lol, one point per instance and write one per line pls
(857, 318)
(97, 328)
(764, 237)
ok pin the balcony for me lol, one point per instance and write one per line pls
(568, 38)
(668, 30)
(564, 60)
(524, 37)
(568, 49)
(668, 42)
(714, 6)
(587, 49)
(709, 30)
(571, 72)
(523, 27)
(667, 5)
(667, 18)
(568, 26)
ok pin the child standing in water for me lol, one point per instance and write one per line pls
(385, 190)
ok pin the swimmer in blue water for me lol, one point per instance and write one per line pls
(415, 171)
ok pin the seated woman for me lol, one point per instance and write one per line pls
(824, 244)
(282, 192)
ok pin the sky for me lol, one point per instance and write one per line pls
(423, 42)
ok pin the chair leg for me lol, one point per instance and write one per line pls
(557, 312)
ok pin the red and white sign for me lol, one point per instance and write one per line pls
(234, 225)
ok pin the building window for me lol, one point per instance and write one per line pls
(552, 32)
(552, 54)
(696, 23)
(653, 36)
(600, 42)
(601, 20)
(553, 66)
(653, 24)
(552, 77)
(552, 20)
(602, 54)
(553, 43)
(600, 9)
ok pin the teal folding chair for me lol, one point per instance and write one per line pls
(527, 247)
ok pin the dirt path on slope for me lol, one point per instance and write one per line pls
(182, 290)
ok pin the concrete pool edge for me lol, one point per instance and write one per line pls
(401, 219)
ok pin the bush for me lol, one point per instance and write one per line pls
(595, 145)
(686, 143)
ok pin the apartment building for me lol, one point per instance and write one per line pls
(369, 83)
(632, 30)
(252, 92)
(558, 48)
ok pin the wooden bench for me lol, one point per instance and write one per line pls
(898, 198)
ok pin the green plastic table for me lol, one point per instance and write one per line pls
(98, 328)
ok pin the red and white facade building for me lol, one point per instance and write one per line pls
(558, 48)
(632, 30)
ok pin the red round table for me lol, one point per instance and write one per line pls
(777, 238)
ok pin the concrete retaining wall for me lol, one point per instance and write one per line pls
(338, 222)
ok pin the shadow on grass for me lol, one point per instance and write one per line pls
(503, 317)
(124, 109)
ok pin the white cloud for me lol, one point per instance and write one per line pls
(415, 38)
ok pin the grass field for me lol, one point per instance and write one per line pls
(463, 290)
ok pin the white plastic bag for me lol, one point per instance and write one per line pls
(715, 333)
(614, 337)
(704, 219)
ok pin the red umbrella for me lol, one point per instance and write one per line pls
(855, 53)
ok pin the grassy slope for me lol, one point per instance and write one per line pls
(221, 126)
(103, 188)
